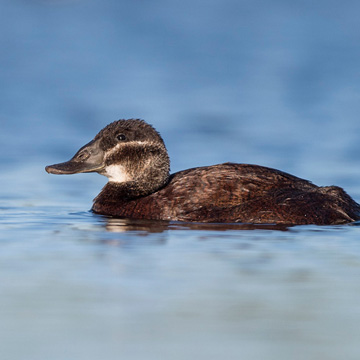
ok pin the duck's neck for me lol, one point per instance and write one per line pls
(114, 192)
(134, 174)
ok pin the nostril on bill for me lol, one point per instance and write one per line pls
(83, 156)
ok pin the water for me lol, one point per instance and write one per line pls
(273, 83)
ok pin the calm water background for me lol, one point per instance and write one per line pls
(267, 82)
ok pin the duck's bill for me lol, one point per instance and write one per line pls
(88, 159)
(70, 167)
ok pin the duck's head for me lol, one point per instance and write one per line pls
(125, 151)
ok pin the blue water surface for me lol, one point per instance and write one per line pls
(274, 83)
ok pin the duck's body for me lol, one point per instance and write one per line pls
(233, 193)
(140, 186)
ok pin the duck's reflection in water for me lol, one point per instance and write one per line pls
(151, 226)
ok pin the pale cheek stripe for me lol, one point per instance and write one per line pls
(118, 146)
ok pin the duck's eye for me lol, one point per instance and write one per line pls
(121, 137)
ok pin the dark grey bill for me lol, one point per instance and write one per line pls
(89, 158)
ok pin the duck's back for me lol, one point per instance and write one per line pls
(240, 193)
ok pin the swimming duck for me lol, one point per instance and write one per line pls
(132, 154)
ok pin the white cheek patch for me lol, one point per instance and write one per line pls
(117, 173)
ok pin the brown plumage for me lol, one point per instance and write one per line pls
(134, 158)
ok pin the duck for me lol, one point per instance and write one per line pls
(134, 158)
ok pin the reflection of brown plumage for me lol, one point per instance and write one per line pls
(134, 158)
